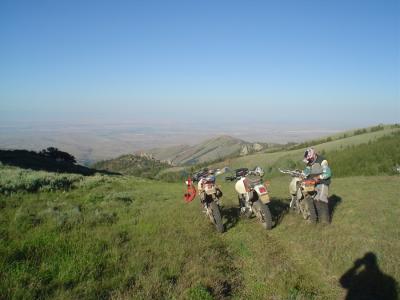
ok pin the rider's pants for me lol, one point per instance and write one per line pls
(322, 193)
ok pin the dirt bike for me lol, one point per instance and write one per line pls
(303, 192)
(210, 195)
(253, 195)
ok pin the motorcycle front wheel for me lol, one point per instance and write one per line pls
(216, 216)
(263, 214)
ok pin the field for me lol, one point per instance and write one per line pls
(121, 237)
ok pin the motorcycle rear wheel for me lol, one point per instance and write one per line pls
(263, 214)
(309, 201)
(216, 215)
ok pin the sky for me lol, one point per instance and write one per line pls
(322, 62)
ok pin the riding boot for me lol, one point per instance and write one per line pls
(323, 212)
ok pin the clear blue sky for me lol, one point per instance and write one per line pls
(325, 61)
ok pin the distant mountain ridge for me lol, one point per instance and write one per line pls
(210, 150)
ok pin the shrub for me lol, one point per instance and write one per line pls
(199, 292)
(16, 180)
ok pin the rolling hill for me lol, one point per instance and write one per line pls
(210, 150)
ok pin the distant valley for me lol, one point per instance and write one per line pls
(91, 142)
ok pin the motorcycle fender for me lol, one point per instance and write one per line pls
(240, 187)
(265, 198)
(299, 194)
(293, 186)
(211, 191)
(202, 196)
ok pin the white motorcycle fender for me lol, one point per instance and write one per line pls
(240, 187)
(293, 186)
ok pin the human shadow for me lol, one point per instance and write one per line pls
(364, 280)
(36, 161)
(333, 202)
(232, 215)
(278, 210)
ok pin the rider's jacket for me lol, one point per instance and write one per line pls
(320, 167)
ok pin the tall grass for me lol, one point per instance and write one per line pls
(14, 180)
(130, 238)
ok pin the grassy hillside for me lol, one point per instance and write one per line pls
(69, 236)
(268, 159)
(340, 150)
(121, 237)
(133, 165)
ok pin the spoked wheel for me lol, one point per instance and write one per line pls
(263, 214)
(215, 216)
(310, 209)
(244, 211)
(295, 205)
(303, 209)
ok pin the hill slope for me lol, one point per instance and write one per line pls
(136, 165)
(130, 238)
(339, 149)
(268, 159)
(209, 150)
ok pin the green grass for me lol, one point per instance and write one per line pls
(130, 238)
(268, 159)
(134, 165)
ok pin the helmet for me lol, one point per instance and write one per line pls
(310, 156)
(259, 171)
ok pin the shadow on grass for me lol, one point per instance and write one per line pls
(279, 209)
(364, 280)
(32, 160)
(333, 202)
(232, 215)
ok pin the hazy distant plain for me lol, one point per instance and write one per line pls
(90, 142)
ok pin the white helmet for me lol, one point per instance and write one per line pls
(310, 155)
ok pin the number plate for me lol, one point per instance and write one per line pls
(264, 198)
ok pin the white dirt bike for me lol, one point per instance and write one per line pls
(253, 195)
(210, 195)
(302, 191)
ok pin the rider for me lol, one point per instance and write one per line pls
(318, 168)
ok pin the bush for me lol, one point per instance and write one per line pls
(374, 158)
(17, 180)
(199, 292)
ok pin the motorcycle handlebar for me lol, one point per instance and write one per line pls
(230, 178)
(294, 173)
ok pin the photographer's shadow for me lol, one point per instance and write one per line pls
(368, 282)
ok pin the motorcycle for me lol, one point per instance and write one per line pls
(303, 192)
(252, 195)
(210, 195)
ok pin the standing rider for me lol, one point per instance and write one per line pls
(317, 167)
